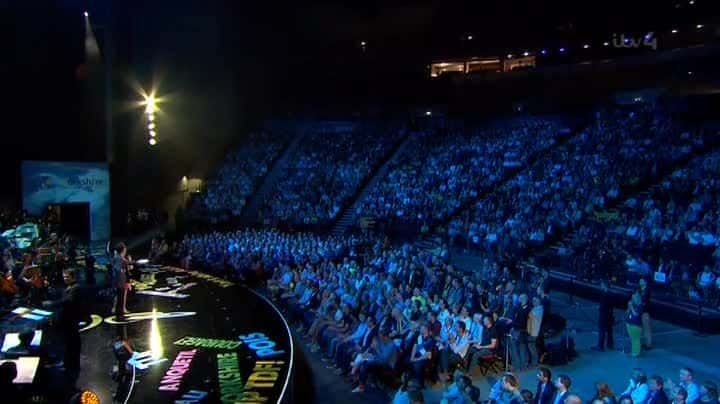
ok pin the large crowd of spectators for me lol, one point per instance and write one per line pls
(396, 315)
(570, 186)
(372, 307)
(326, 171)
(448, 164)
(618, 149)
(238, 175)
(670, 235)
(573, 183)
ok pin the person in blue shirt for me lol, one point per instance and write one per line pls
(384, 355)
(352, 339)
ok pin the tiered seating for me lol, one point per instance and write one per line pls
(326, 170)
(240, 172)
(447, 166)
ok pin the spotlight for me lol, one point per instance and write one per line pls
(85, 397)
(544, 52)
(699, 26)
(151, 126)
(152, 141)
(150, 104)
(586, 46)
(153, 133)
(674, 31)
(562, 50)
(509, 56)
(469, 37)
(526, 53)
(428, 113)
(691, 2)
(151, 117)
(690, 73)
(86, 14)
(606, 43)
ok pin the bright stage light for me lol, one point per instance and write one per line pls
(586, 46)
(151, 126)
(674, 31)
(153, 133)
(152, 141)
(86, 14)
(155, 339)
(699, 26)
(526, 53)
(85, 397)
(151, 117)
(606, 43)
(150, 104)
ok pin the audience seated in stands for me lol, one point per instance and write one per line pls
(238, 176)
(325, 172)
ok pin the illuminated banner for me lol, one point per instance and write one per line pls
(48, 182)
(261, 344)
(135, 317)
(144, 360)
(229, 377)
(228, 344)
(173, 377)
(208, 343)
(192, 397)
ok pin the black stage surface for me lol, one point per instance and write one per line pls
(209, 341)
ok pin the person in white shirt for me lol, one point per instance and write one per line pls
(706, 279)
(476, 337)
(687, 382)
(465, 318)
(637, 389)
(534, 328)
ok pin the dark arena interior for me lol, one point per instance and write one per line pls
(395, 201)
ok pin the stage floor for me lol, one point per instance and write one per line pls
(196, 338)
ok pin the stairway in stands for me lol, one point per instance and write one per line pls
(433, 240)
(250, 213)
(348, 216)
(564, 136)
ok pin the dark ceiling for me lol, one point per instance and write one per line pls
(226, 65)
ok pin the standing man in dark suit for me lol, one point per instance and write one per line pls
(545, 388)
(70, 316)
(606, 319)
(657, 391)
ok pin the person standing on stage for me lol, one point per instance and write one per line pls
(70, 316)
(606, 319)
(120, 280)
